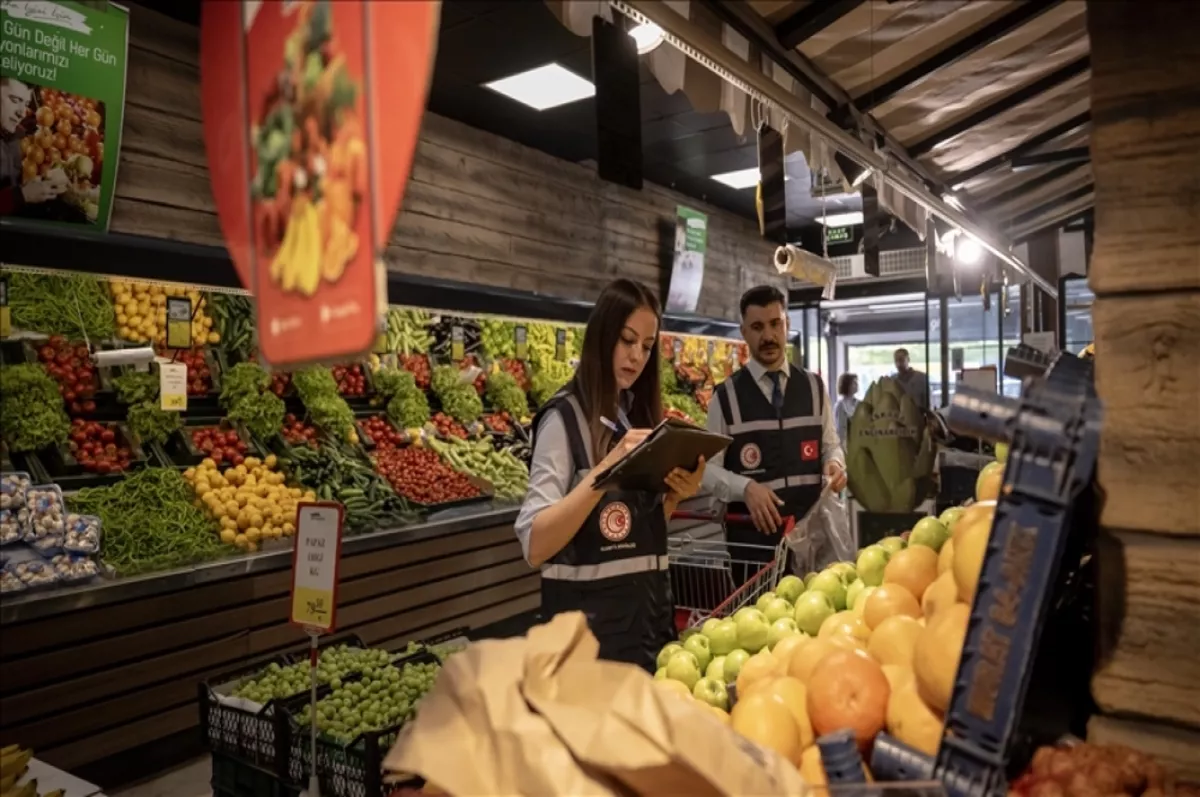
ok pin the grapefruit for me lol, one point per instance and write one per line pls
(850, 643)
(913, 722)
(805, 659)
(786, 648)
(889, 600)
(766, 721)
(860, 603)
(898, 676)
(987, 486)
(946, 557)
(913, 568)
(794, 697)
(758, 667)
(969, 550)
(936, 654)
(893, 640)
(972, 514)
(846, 623)
(942, 592)
(848, 691)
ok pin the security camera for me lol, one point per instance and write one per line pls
(140, 358)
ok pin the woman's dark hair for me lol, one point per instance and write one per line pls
(595, 385)
(844, 383)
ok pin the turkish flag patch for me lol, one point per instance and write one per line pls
(809, 450)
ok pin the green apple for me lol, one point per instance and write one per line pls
(664, 655)
(688, 633)
(1002, 453)
(808, 577)
(733, 664)
(951, 516)
(854, 591)
(777, 608)
(716, 669)
(860, 603)
(789, 588)
(723, 636)
(660, 674)
(783, 627)
(763, 601)
(892, 544)
(812, 609)
(845, 570)
(712, 691)
(684, 667)
(929, 532)
(742, 612)
(700, 647)
(829, 582)
(753, 631)
(871, 562)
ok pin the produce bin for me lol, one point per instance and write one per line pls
(180, 450)
(58, 465)
(233, 778)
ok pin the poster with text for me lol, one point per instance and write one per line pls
(311, 116)
(687, 270)
(62, 99)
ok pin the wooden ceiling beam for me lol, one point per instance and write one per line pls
(811, 20)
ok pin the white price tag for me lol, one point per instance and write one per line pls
(172, 386)
(315, 566)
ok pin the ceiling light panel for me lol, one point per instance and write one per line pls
(841, 219)
(545, 87)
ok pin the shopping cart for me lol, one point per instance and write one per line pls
(715, 577)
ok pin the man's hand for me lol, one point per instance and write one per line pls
(764, 507)
(836, 475)
(39, 190)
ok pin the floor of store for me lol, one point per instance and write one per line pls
(187, 780)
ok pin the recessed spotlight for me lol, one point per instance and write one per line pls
(842, 219)
(545, 87)
(647, 36)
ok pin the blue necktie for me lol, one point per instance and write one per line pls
(776, 391)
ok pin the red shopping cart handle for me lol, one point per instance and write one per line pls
(789, 521)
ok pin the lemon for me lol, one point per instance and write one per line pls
(253, 534)
(227, 536)
(214, 337)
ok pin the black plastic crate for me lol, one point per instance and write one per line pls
(234, 778)
(180, 450)
(59, 466)
(354, 769)
(260, 737)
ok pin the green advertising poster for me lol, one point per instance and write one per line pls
(62, 99)
(687, 270)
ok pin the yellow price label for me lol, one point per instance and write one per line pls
(521, 341)
(381, 344)
(5, 310)
(172, 386)
(312, 607)
(179, 322)
(457, 346)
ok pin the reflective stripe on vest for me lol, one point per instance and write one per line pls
(617, 567)
(736, 426)
(793, 481)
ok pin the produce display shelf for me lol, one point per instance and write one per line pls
(34, 605)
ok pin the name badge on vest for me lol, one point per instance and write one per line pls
(615, 521)
(750, 457)
(809, 450)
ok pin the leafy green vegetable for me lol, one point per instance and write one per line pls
(151, 423)
(31, 409)
(444, 378)
(261, 412)
(505, 394)
(76, 307)
(462, 403)
(242, 381)
(328, 411)
(391, 381)
(688, 406)
(409, 408)
(548, 379)
(135, 387)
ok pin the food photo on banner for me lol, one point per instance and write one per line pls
(62, 97)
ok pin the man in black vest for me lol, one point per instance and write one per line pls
(785, 440)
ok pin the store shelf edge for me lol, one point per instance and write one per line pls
(139, 257)
(31, 606)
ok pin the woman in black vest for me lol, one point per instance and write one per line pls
(605, 553)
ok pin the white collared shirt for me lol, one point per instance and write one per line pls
(728, 487)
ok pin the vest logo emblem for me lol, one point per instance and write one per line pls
(751, 456)
(809, 450)
(616, 521)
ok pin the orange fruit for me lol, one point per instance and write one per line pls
(941, 593)
(760, 666)
(850, 643)
(888, 600)
(936, 654)
(808, 657)
(848, 691)
(972, 514)
(764, 720)
(946, 557)
(913, 568)
(969, 550)
(846, 623)
(787, 646)
(893, 640)
(913, 722)
(792, 693)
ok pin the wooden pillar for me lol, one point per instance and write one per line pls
(1145, 271)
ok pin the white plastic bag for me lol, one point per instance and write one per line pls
(822, 536)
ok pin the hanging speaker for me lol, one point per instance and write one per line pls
(618, 104)
(772, 195)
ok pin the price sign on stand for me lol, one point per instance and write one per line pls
(560, 345)
(5, 310)
(315, 562)
(521, 340)
(179, 322)
(457, 345)
(172, 386)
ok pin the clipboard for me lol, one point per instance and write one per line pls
(672, 444)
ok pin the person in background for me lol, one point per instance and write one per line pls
(785, 442)
(605, 552)
(847, 403)
(15, 101)
(915, 383)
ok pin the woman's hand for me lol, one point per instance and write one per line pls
(684, 484)
(627, 443)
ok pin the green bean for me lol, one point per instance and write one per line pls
(54, 305)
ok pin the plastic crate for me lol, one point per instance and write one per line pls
(233, 778)
(256, 736)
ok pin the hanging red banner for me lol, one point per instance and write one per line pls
(312, 109)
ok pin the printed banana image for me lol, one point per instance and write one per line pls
(297, 264)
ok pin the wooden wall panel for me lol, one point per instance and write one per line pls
(478, 208)
(82, 686)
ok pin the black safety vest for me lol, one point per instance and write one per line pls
(781, 450)
(615, 567)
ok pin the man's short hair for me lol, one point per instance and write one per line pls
(762, 296)
(901, 351)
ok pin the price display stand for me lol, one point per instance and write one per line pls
(314, 595)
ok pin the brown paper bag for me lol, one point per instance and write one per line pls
(543, 716)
